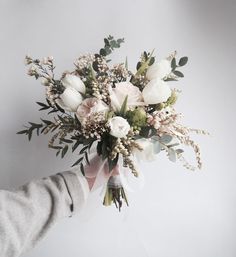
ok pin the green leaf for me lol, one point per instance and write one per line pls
(173, 63)
(65, 140)
(156, 147)
(52, 111)
(44, 106)
(171, 154)
(145, 55)
(48, 122)
(178, 73)
(126, 63)
(55, 147)
(61, 119)
(35, 125)
(86, 157)
(179, 150)
(166, 139)
(77, 143)
(152, 60)
(30, 131)
(139, 64)
(77, 162)
(103, 52)
(64, 151)
(22, 132)
(83, 149)
(106, 41)
(124, 107)
(183, 61)
(82, 168)
(170, 79)
(99, 147)
(37, 131)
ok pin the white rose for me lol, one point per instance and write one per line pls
(148, 153)
(73, 81)
(121, 90)
(119, 126)
(90, 106)
(70, 99)
(156, 91)
(159, 70)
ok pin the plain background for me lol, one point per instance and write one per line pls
(178, 213)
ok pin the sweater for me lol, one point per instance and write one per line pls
(27, 213)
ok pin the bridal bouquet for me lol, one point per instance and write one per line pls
(111, 116)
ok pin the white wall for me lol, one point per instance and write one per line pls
(178, 213)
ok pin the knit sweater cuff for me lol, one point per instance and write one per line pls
(78, 189)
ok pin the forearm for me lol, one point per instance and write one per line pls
(26, 214)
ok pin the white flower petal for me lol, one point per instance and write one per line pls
(73, 81)
(70, 99)
(159, 70)
(119, 127)
(156, 91)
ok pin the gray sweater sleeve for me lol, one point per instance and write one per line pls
(26, 214)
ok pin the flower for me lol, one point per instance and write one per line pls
(137, 117)
(148, 153)
(159, 70)
(90, 106)
(119, 127)
(70, 80)
(70, 99)
(156, 91)
(121, 90)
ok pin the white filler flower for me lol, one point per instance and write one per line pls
(119, 126)
(156, 91)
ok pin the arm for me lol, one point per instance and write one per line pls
(26, 214)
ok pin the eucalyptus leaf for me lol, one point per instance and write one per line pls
(183, 61)
(156, 147)
(165, 139)
(173, 63)
(178, 73)
(172, 155)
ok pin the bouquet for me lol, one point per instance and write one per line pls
(111, 116)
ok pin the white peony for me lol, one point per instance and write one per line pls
(70, 99)
(90, 106)
(73, 81)
(156, 91)
(159, 70)
(148, 153)
(121, 90)
(119, 127)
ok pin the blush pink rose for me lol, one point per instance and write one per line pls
(90, 106)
